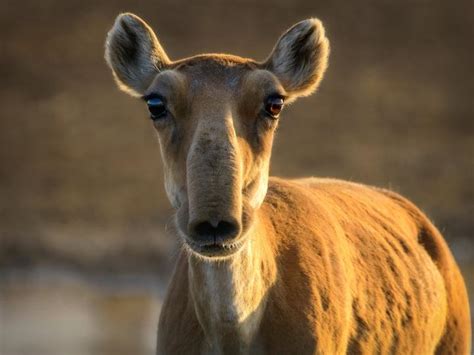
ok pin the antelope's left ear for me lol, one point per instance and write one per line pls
(300, 57)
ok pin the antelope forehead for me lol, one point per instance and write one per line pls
(245, 89)
(220, 70)
(215, 83)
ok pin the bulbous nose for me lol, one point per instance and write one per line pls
(214, 231)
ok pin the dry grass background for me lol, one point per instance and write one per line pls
(80, 174)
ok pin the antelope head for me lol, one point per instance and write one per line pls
(215, 116)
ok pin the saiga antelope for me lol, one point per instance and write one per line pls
(270, 265)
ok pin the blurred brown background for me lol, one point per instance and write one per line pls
(84, 256)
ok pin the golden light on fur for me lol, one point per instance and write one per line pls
(271, 265)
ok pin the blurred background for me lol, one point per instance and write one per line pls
(84, 253)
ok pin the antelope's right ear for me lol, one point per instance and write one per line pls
(134, 54)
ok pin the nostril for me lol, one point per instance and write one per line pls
(224, 230)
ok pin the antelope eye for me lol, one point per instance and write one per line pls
(157, 108)
(273, 106)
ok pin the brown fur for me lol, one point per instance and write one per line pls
(315, 265)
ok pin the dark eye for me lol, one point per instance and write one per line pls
(157, 108)
(273, 106)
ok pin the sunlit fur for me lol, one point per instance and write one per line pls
(323, 266)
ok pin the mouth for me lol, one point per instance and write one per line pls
(215, 249)
(215, 246)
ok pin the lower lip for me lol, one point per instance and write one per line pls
(215, 249)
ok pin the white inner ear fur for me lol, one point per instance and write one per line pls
(134, 54)
(300, 57)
